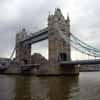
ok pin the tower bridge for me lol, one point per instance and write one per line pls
(60, 40)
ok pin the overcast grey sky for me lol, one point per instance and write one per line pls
(32, 14)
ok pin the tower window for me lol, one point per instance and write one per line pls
(63, 56)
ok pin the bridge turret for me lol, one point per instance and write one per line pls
(68, 23)
(23, 51)
(21, 35)
(58, 49)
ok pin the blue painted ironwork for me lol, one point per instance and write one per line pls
(75, 42)
(80, 62)
(37, 37)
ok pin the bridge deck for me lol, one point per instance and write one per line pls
(80, 62)
(29, 66)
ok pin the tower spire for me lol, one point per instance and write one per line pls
(68, 19)
(49, 13)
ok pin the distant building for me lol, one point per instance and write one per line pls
(5, 61)
(37, 58)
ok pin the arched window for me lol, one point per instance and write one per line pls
(63, 56)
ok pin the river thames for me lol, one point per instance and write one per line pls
(84, 87)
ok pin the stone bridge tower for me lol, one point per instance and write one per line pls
(59, 50)
(23, 51)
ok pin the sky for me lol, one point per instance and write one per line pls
(33, 14)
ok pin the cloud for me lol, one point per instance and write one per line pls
(32, 14)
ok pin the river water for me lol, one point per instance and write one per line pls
(84, 87)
